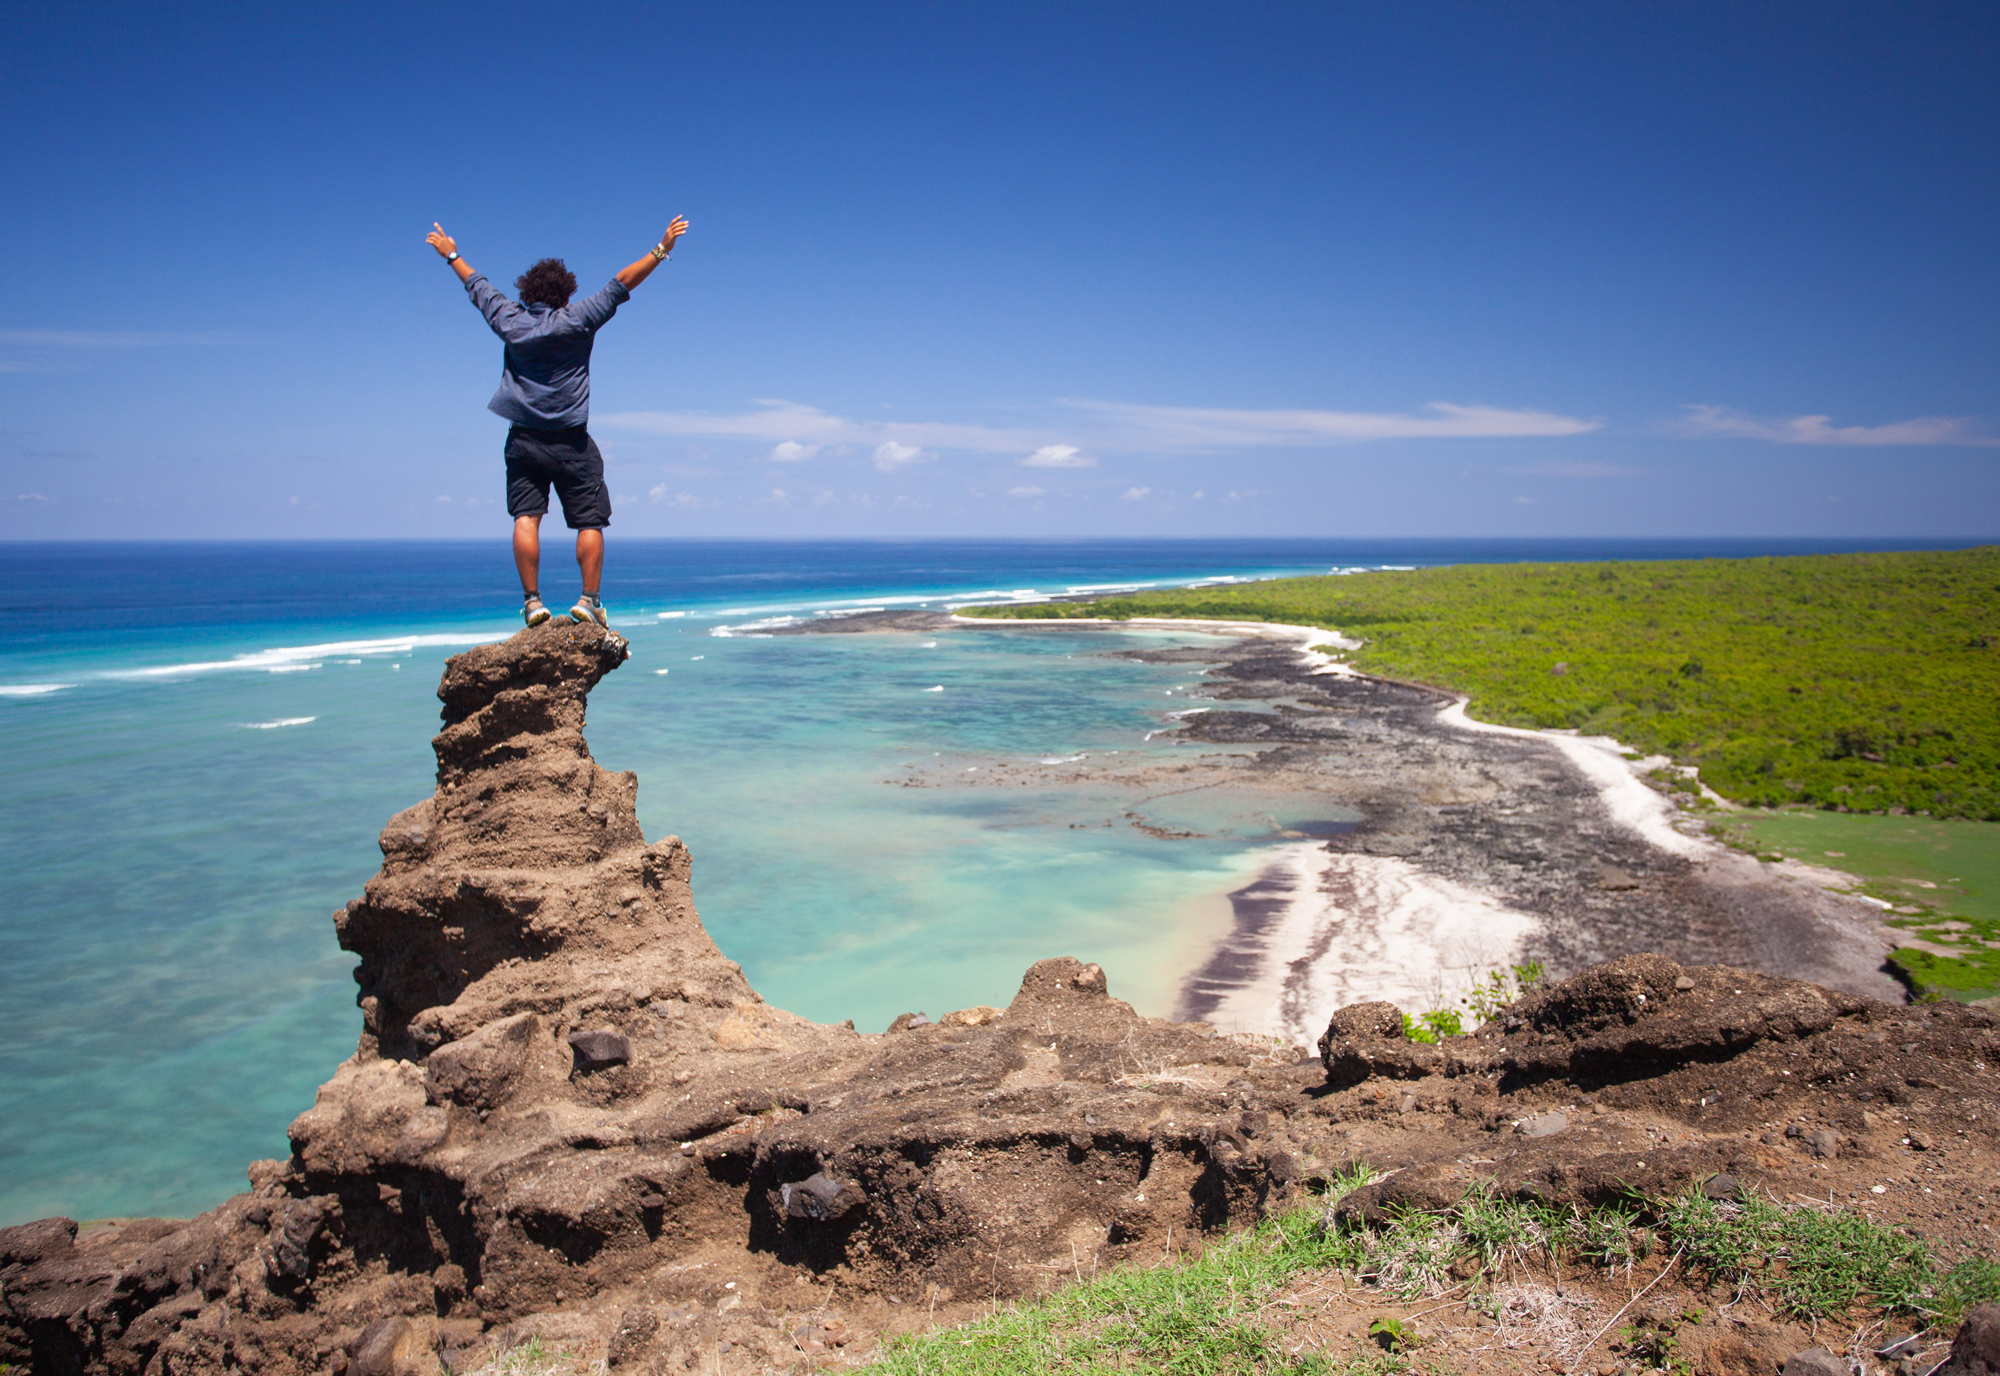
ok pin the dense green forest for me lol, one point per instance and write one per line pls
(1868, 682)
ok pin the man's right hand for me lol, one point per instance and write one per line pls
(674, 232)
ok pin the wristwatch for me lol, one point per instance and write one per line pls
(660, 251)
(451, 257)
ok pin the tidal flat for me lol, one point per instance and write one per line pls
(1421, 852)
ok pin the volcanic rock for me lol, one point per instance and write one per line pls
(1976, 1349)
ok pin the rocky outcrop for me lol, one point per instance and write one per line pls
(569, 1114)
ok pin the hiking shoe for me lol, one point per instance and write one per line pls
(533, 612)
(588, 608)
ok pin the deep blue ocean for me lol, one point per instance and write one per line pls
(202, 742)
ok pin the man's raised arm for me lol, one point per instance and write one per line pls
(447, 248)
(641, 270)
(507, 319)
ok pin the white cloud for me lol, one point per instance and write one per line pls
(1713, 422)
(1199, 497)
(30, 497)
(778, 495)
(1135, 494)
(667, 496)
(824, 499)
(791, 451)
(1058, 456)
(1187, 427)
(1524, 501)
(1024, 492)
(442, 501)
(781, 421)
(891, 455)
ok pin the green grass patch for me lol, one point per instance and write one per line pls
(1203, 1315)
(1191, 1317)
(1950, 869)
(1860, 681)
(1952, 866)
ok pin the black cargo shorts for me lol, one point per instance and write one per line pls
(565, 459)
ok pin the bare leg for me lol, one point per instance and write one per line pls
(528, 551)
(590, 559)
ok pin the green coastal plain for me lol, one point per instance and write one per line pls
(1856, 694)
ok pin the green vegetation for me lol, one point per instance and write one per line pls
(1943, 877)
(1428, 1027)
(1191, 1316)
(1501, 987)
(1488, 995)
(535, 1358)
(1207, 1314)
(1855, 681)
(1953, 866)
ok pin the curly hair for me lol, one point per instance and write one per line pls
(548, 282)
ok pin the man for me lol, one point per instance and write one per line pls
(545, 392)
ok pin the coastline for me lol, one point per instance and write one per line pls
(1482, 845)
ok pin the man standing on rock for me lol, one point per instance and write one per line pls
(545, 393)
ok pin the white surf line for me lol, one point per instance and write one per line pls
(31, 690)
(1601, 760)
(289, 658)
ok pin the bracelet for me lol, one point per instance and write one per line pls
(660, 251)
(451, 257)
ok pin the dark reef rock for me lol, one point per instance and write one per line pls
(569, 1114)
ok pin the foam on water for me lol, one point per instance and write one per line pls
(281, 659)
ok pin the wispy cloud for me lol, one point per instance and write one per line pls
(665, 495)
(782, 422)
(1188, 427)
(1717, 422)
(1058, 456)
(1025, 491)
(1097, 427)
(1135, 494)
(114, 339)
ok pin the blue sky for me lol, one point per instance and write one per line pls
(1132, 269)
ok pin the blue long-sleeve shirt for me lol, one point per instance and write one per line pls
(545, 372)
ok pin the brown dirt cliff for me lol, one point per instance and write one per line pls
(570, 1115)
